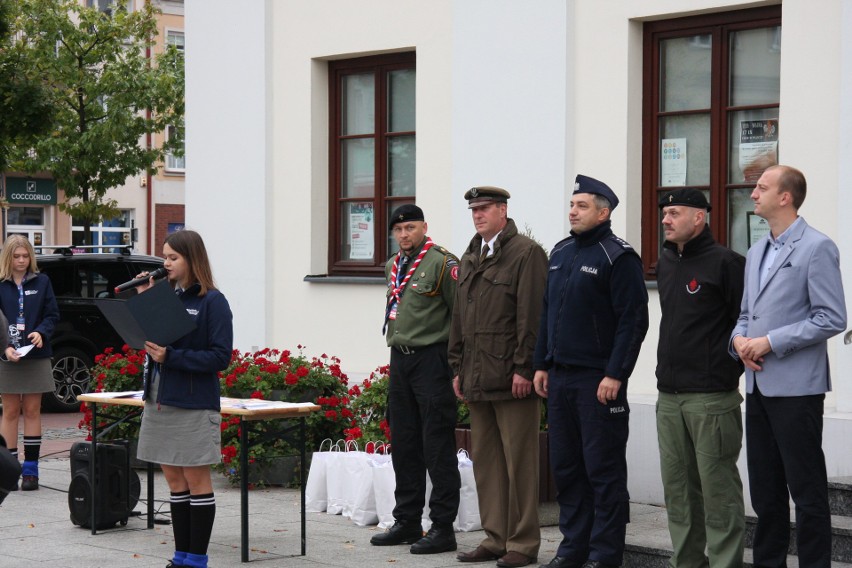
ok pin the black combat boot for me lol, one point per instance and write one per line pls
(402, 532)
(440, 538)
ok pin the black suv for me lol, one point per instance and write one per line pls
(79, 280)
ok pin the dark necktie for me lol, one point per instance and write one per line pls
(403, 268)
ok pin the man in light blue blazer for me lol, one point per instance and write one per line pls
(792, 304)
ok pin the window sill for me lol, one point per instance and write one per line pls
(326, 279)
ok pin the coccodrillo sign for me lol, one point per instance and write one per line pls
(31, 191)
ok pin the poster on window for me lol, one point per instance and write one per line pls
(758, 227)
(673, 163)
(758, 147)
(361, 231)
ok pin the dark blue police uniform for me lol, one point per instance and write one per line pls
(594, 319)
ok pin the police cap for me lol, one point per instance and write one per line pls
(687, 196)
(484, 194)
(407, 212)
(585, 184)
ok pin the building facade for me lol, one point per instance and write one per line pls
(336, 111)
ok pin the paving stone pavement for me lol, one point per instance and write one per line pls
(36, 531)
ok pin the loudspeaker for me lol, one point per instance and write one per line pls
(117, 485)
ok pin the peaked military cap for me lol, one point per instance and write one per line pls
(483, 194)
(586, 184)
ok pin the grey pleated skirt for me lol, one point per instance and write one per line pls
(27, 376)
(179, 436)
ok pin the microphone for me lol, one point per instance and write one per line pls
(156, 275)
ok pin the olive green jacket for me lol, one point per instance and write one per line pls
(496, 315)
(423, 315)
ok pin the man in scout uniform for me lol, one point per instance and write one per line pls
(421, 405)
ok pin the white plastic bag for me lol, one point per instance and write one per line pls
(363, 512)
(336, 479)
(316, 488)
(357, 473)
(468, 517)
(384, 485)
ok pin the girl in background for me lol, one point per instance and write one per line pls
(29, 306)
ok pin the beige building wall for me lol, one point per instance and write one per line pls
(478, 119)
(353, 314)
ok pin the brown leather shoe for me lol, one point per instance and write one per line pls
(481, 554)
(513, 559)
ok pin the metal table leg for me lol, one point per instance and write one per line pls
(92, 468)
(244, 508)
(302, 479)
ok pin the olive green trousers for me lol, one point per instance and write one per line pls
(700, 437)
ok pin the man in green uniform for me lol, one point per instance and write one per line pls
(421, 404)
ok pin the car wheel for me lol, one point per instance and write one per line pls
(71, 376)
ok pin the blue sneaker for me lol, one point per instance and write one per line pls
(29, 483)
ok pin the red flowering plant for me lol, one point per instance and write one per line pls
(271, 374)
(115, 371)
(370, 405)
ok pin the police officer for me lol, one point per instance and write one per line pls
(421, 404)
(594, 319)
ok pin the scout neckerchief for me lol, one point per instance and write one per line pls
(397, 281)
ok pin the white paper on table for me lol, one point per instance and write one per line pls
(254, 403)
(123, 394)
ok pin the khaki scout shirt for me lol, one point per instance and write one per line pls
(423, 315)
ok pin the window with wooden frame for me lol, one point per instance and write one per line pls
(372, 158)
(711, 97)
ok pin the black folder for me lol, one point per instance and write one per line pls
(155, 315)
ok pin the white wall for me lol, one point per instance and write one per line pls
(227, 187)
(343, 319)
(471, 77)
(843, 169)
(509, 114)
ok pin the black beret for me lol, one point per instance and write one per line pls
(407, 212)
(687, 196)
(485, 194)
(585, 184)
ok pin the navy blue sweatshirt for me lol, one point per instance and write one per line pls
(41, 313)
(189, 377)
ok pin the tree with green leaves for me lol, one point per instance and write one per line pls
(24, 107)
(107, 93)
